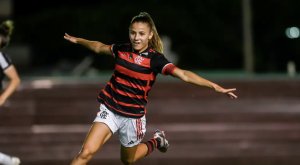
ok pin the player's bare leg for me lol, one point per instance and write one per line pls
(129, 155)
(97, 136)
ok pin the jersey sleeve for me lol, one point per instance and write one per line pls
(5, 61)
(114, 49)
(160, 64)
(119, 47)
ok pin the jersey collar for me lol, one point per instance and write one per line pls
(145, 52)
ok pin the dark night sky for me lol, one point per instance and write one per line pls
(206, 34)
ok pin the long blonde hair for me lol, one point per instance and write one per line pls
(155, 42)
(6, 29)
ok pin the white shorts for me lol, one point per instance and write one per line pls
(131, 131)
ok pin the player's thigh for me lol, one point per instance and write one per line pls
(99, 133)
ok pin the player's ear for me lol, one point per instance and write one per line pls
(151, 35)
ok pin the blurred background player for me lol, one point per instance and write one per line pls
(7, 70)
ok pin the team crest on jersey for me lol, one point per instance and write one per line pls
(138, 59)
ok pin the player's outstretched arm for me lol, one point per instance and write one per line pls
(193, 78)
(95, 46)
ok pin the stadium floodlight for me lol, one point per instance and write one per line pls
(292, 32)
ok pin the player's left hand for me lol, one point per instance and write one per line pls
(228, 92)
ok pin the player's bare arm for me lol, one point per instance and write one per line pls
(193, 78)
(14, 82)
(95, 46)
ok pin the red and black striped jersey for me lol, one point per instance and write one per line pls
(134, 74)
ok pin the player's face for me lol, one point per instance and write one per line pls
(140, 34)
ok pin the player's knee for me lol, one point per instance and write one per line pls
(86, 153)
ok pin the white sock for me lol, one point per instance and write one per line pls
(5, 159)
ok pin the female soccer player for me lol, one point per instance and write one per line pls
(123, 100)
(8, 70)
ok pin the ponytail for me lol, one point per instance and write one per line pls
(155, 42)
(6, 29)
